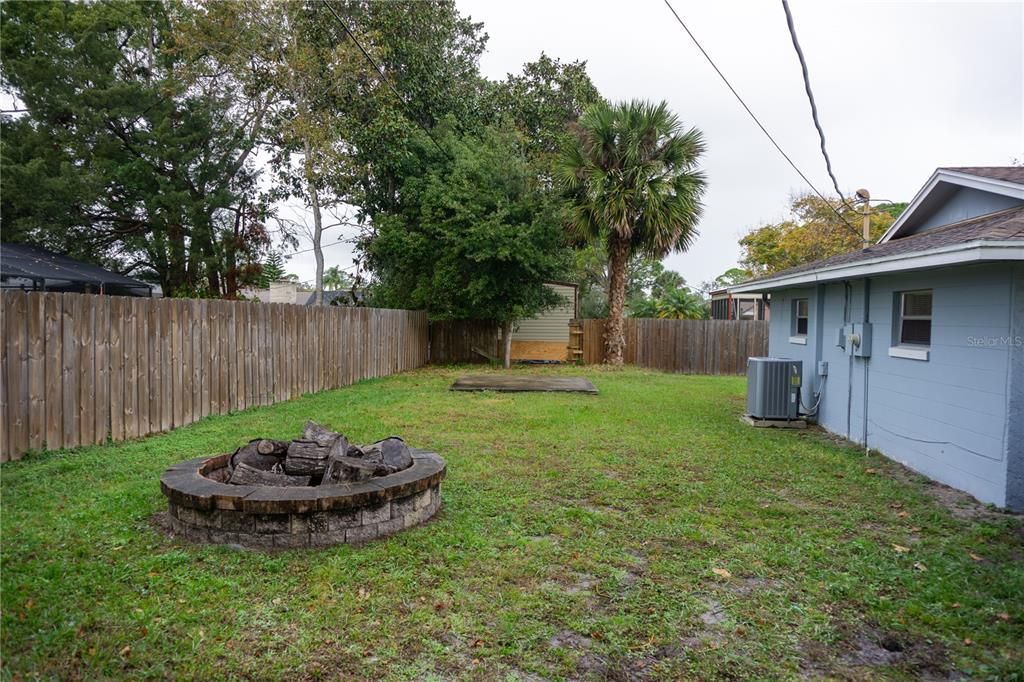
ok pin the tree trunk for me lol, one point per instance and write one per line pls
(506, 344)
(614, 331)
(318, 228)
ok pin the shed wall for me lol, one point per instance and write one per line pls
(551, 325)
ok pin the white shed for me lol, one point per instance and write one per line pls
(546, 336)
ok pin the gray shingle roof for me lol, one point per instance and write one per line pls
(1006, 173)
(33, 262)
(999, 226)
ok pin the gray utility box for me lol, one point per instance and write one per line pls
(773, 386)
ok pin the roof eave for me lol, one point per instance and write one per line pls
(969, 252)
(1003, 187)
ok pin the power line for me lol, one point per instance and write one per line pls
(757, 121)
(810, 98)
(380, 72)
(323, 246)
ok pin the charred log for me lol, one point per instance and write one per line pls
(247, 475)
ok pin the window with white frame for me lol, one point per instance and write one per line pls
(915, 318)
(799, 317)
(748, 310)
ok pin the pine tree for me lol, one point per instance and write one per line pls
(272, 269)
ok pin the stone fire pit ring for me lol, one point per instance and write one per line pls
(202, 508)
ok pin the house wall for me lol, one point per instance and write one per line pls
(1015, 410)
(964, 203)
(945, 417)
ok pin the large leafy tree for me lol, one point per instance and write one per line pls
(812, 232)
(474, 238)
(541, 103)
(631, 174)
(116, 158)
(339, 132)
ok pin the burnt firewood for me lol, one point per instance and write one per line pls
(392, 452)
(339, 449)
(309, 457)
(247, 475)
(250, 454)
(278, 448)
(318, 434)
(353, 470)
(395, 453)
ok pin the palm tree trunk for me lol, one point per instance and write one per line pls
(614, 330)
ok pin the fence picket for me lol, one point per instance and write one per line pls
(15, 337)
(84, 326)
(36, 352)
(101, 342)
(130, 369)
(116, 364)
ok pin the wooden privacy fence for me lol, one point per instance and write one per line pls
(453, 341)
(687, 346)
(77, 369)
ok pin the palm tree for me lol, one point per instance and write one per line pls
(633, 183)
(681, 304)
(336, 279)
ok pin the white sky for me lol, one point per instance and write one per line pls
(901, 88)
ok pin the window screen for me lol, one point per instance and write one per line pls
(800, 315)
(916, 318)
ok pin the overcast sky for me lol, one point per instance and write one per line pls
(901, 88)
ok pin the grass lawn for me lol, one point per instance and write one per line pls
(641, 533)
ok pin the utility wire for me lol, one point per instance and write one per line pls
(323, 246)
(380, 72)
(810, 98)
(758, 122)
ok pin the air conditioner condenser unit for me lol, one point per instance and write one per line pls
(773, 388)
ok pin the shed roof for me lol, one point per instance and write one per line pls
(32, 262)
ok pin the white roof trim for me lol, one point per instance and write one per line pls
(970, 252)
(1003, 187)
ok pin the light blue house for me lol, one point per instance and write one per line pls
(916, 344)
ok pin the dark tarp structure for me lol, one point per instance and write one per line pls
(36, 269)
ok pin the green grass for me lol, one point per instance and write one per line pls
(578, 538)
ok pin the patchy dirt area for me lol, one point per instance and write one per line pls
(866, 651)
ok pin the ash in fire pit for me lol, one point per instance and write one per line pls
(320, 457)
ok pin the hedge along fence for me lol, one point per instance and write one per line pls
(686, 346)
(77, 369)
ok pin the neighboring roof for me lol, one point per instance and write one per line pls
(722, 293)
(21, 260)
(996, 236)
(330, 296)
(1002, 180)
(562, 284)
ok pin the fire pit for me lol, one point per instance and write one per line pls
(314, 491)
